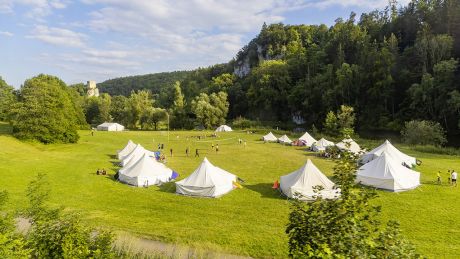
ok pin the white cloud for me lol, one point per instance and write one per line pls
(36, 9)
(6, 34)
(370, 4)
(58, 36)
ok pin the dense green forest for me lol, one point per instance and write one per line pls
(158, 83)
(391, 65)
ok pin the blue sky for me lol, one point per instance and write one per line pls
(102, 39)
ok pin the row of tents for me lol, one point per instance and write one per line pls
(140, 168)
(316, 145)
(384, 168)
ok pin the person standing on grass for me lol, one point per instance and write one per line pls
(212, 146)
(186, 151)
(454, 178)
(196, 153)
(439, 177)
(245, 143)
(171, 151)
(217, 148)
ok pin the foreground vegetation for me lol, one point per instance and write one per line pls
(248, 221)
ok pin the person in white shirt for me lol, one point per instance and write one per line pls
(454, 178)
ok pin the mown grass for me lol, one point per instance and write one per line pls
(249, 221)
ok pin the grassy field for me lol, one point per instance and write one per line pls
(248, 221)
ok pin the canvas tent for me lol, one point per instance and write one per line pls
(206, 181)
(127, 149)
(110, 126)
(390, 149)
(145, 172)
(270, 137)
(350, 145)
(307, 139)
(385, 172)
(321, 145)
(299, 184)
(223, 128)
(135, 154)
(284, 140)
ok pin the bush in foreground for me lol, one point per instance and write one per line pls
(344, 228)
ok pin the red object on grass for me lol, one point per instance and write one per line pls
(276, 185)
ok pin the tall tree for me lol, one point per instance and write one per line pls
(7, 99)
(210, 110)
(45, 111)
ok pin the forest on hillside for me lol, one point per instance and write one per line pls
(391, 65)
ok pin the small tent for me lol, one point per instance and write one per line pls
(321, 145)
(284, 140)
(270, 137)
(390, 149)
(349, 145)
(384, 172)
(223, 128)
(110, 126)
(206, 181)
(145, 172)
(299, 184)
(127, 149)
(307, 139)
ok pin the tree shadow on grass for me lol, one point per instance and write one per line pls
(112, 156)
(265, 190)
(169, 187)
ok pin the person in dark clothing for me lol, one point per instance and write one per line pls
(171, 151)
(186, 151)
(196, 153)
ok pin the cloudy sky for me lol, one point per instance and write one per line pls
(100, 39)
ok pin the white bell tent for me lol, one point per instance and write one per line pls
(207, 181)
(350, 145)
(135, 154)
(145, 172)
(127, 149)
(285, 140)
(307, 139)
(223, 128)
(384, 172)
(390, 149)
(300, 184)
(110, 126)
(270, 137)
(321, 145)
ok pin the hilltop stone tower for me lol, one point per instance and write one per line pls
(92, 89)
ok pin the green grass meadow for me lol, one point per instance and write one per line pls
(249, 221)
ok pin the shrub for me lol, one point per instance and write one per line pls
(347, 227)
(243, 123)
(423, 133)
(55, 234)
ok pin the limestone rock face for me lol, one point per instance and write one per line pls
(92, 89)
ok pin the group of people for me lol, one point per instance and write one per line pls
(451, 177)
(101, 171)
